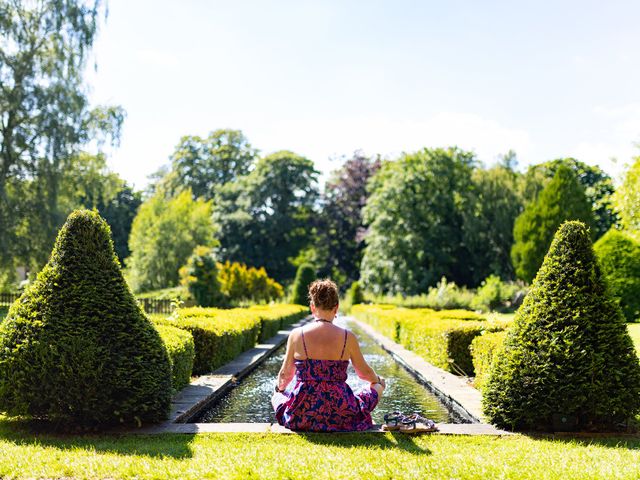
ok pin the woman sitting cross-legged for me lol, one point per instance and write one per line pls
(318, 355)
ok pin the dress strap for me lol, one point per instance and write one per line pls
(344, 344)
(304, 344)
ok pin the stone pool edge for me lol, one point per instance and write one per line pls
(206, 389)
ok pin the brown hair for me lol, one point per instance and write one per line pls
(323, 294)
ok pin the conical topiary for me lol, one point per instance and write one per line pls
(568, 355)
(75, 347)
(304, 276)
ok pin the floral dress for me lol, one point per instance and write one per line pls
(321, 400)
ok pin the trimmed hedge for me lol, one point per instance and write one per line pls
(619, 257)
(440, 337)
(484, 349)
(221, 335)
(181, 351)
(75, 347)
(568, 354)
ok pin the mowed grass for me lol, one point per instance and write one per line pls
(312, 456)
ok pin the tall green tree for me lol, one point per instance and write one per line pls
(340, 228)
(264, 217)
(562, 199)
(415, 217)
(627, 199)
(45, 116)
(598, 187)
(489, 220)
(204, 164)
(163, 236)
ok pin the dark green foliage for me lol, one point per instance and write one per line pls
(562, 199)
(355, 294)
(305, 275)
(181, 352)
(76, 347)
(619, 256)
(568, 351)
(119, 213)
(200, 275)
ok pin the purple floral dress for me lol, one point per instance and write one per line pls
(321, 400)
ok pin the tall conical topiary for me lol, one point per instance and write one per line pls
(75, 347)
(568, 354)
(562, 199)
(619, 256)
(304, 276)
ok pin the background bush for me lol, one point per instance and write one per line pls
(484, 349)
(200, 276)
(75, 347)
(240, 283)
(619, 257)
(305, 275)
(181, 351)
(568, 352)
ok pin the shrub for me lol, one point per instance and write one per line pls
(484, 349)
(355, 294)
(619, 257)
(221, 335)
(181, 351)
(440, 337)
(75, 347)
(448, 295)
(304, 276)
(200, 276)
(568, 352)
(241, 283)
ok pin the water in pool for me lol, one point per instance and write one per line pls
(249, 401)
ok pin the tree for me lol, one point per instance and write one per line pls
(204, 164)
(619, 256)
(76, 347)
(568, 353)
(119, 213)
(562, 199)
(163, 235)
(340, 228)
(264, 217)
(597, 185)
(489, 220)
(415, 220)
(627, 199)
(44, 116)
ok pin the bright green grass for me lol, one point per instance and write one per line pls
(312, 456)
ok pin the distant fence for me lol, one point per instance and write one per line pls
(150, 305)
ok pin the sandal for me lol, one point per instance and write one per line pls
(392, 421)
(416, 423)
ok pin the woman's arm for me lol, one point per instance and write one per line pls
(288, 369)
(363, 370)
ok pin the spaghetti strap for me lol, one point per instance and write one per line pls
(344, 344)
(304, 344)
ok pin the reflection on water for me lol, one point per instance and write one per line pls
(250, 400)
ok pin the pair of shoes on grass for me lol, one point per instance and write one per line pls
(414, 423)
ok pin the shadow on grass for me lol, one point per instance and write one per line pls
(28, 433)
(400, 441)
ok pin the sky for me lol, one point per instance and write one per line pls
(324, 78)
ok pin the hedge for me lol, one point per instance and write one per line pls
(484, 349)
(220, 335)
(181, 350)
(440, 337)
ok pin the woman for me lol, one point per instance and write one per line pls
(318, 355)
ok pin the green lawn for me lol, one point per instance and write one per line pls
(313, 456)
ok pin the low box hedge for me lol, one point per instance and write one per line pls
(181, 350)
(484, 349)
(440, 337)
(220, 335)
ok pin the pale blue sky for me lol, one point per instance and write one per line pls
(324, 78)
